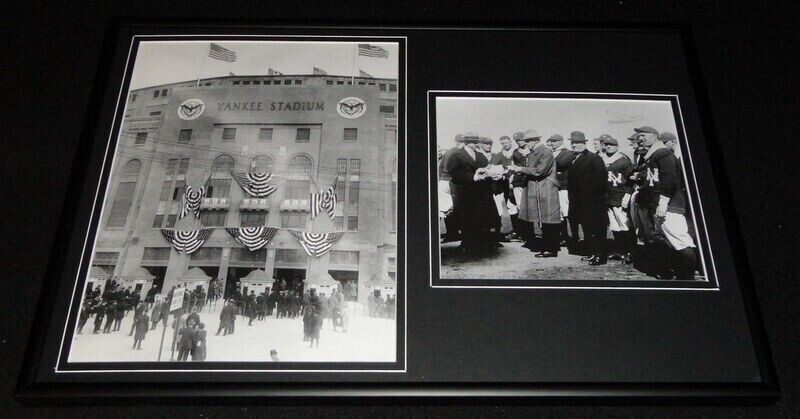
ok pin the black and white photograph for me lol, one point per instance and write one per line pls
(251, 210)
(563, 190)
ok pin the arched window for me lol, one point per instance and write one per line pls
(300, 165)
(261, 163)
(121, 206)
(223, 164)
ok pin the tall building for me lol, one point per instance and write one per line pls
(309, 130)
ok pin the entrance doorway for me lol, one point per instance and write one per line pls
(232, 280)
(159, 272)
(293, 277)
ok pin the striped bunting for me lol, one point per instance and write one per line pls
(191, 201)
(186, 241)
(316, 244)
(368, 50)
(253, 238)
(255, 184)
(323, 201)
(219, 53)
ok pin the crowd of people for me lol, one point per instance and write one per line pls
(558, 196)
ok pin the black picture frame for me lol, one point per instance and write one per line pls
(219, 387)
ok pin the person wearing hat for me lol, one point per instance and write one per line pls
(445, 197)
(518, 182)
(485, 147)
(563, 156)
(539, 206)
(503, 193)
(587, 199)
(467, 169)
(487, 190)
(597, 144)
(664, 227)
(618, 194)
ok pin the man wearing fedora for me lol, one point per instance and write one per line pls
(540, 205)
(467, 168)
(587, 198)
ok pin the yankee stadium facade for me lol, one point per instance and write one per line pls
(310, 132)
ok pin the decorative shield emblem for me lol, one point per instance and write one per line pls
(191, 109)
(351, 107)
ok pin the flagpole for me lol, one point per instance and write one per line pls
(355, 51)
(203, 64)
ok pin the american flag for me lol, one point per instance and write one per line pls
(219, 53)
(191, 201)
(317, 244)
(255, 184)
(323, 201)
(186, 241)
(368, 50)
(253, 238)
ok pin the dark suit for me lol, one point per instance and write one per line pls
(471, 199)
(587, 201)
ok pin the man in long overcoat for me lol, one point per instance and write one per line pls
(587, 198)
(540, 205)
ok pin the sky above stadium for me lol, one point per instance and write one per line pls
(165, 62)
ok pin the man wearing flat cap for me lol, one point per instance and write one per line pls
(467, 169)
(563, 156)
(519, 158)
(503, 194)
(446, 204)
(540, 205)
(587, 199)
(618, 194)
(488, 189)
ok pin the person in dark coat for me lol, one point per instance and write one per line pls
(446, 196)
(155, 314)
(200, 345)
(193, 316)
(308, 323)
(150, 297)
(111, 313)
(142, 326)
(226, 318)
(587, 199)
(471, 191)
(99, 311)
(186, 338)
(165, 312)
(250, 307)
(618, 193)
(137, 316)
(261, 305)
(316, 326)
(539, 206)
(119, 314)
(86, 309)
(675, 226)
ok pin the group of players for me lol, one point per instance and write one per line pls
(557, 196)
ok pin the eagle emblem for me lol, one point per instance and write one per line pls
(191, 109)
(351, 107)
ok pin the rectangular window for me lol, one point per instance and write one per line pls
(141, 138)
(340, 187)
(253, 218)
(329, 82)
(392, 87)
(338, 223)
(122, 204)
(303, 135)
(341, 166)
(156, 253)
(207, 254)
(297, 189)
(293, 220)
(236, 82)
(350, 135)
(265, 134)
(386, 109)
(164, 93)
(298, 82)
(246, 82)
(256, 82)
(184, 166)
(184, 136)
(382, 87)
(155, 113)
(228, 134)
(340, 82)
(266, 82)
(158, 220)
(362, 83)
(355, 166)
(172, 164)
(352, 223)
(177, 192)
(219, 188)
(155, 94)
(213, 218)
(344, 257)
(353, 194)
(105, 258)
(240, 254)
(166, 188)
(290, 256)
(277, 82)
(171, 220)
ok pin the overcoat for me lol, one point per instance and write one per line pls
(587, 189)
(540, 202)
(473, 203)
(142, 327)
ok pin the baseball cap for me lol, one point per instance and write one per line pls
(646, 129)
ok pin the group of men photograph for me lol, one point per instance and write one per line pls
(600, 203)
